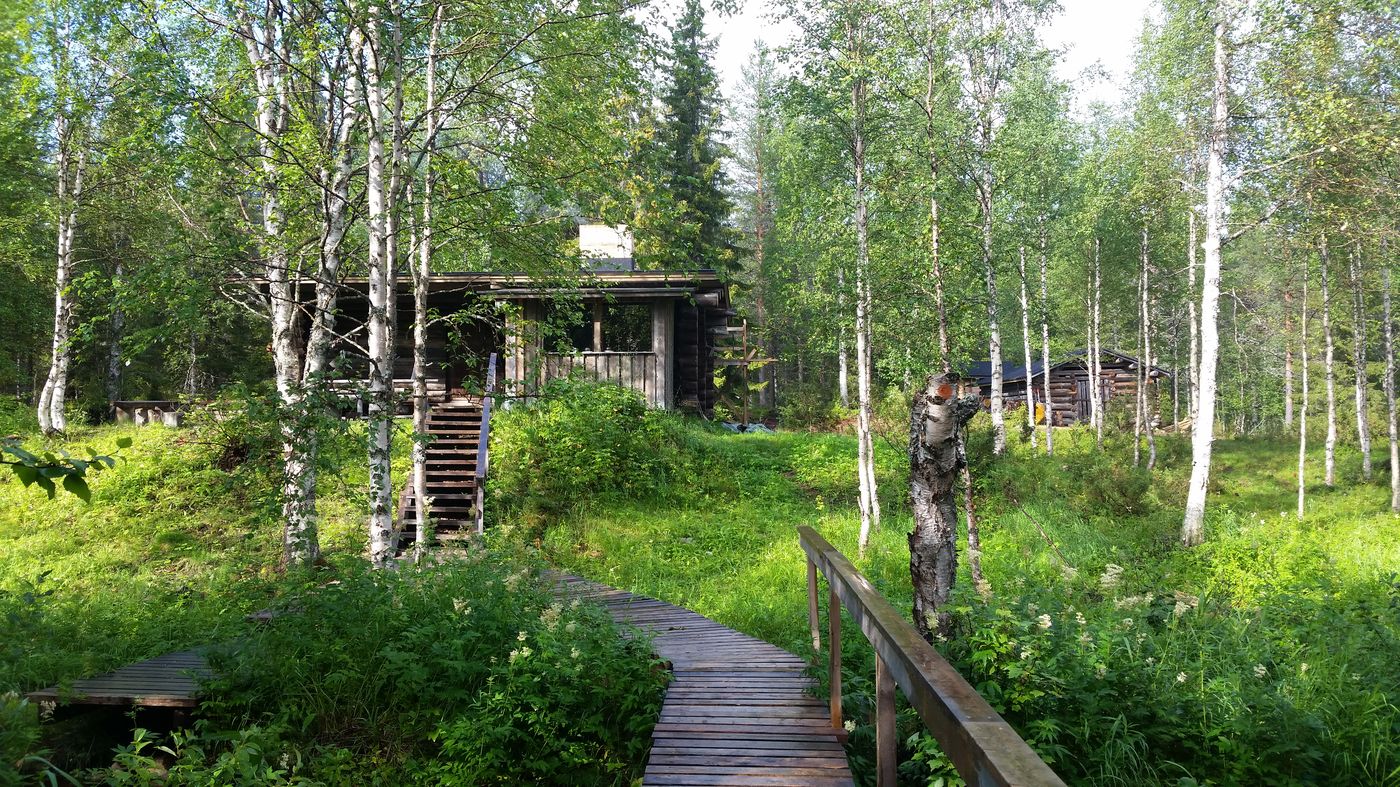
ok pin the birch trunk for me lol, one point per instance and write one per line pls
(1358, 355)
(1303, 404)
(869, 502)
(1203, 426)
(1026, 344)
(266, 49)
(1095, 353)
(1148, 405)
(1329, 460)
(71, 163)
(1288, 358)
(1046, 395)
(379, 271)
(993, 326)
(1195, 355)
(422, 274)
(1139, 371)
(1393, 427)
(116, 328)
(843, 372)
(936, 421)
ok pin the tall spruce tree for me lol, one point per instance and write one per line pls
(692, 161)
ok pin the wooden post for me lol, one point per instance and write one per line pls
(813, 617)
(833, 613)
(886, 762)
(598, 307)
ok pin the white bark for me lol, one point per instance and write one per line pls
(71, 163)
(1392, 425)
(1358, 355)
(422, 274)
(1288, 358)
(115, 328)
(1329, 460)
(993, 326)
(1095, 362)
(843, 372)
(1045, 343)
(1303, 404)
(380, 273)
(1195, 356)
(1149, 406)
(1203, 426)
(1026, 343)
(869, 498)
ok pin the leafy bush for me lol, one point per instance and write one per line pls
(582, 440)
(465, 673)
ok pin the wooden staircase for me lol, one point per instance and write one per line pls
(457, 462)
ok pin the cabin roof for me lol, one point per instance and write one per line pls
(981, 371)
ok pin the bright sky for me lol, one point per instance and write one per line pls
(1091, 31)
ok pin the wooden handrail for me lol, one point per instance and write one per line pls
(483, 458)
(983, 748)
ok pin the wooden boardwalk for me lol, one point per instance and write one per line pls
(168, 681)
(737, 712)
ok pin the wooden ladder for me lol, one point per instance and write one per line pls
(457, 462)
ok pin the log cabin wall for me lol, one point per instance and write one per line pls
(1072, 389)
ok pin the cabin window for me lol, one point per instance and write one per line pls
(598, 326)
(627, 327)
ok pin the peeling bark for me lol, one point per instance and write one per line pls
(935, 456)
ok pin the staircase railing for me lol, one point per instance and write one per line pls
(483, 447)
(984, 749)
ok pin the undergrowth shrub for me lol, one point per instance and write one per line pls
(465, 673)
(582, 440)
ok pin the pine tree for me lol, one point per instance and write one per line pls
(693, 153)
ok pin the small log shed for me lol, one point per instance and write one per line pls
(1070, 383)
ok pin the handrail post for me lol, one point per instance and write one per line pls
(813, 615)
(886, 757)
(833, 614)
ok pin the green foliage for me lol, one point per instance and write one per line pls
(583, 440)
(1095, 616)
(467, 672)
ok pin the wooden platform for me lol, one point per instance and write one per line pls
(737, 711)
(168, 681)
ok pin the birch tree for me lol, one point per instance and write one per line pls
(69, 163)
(1203, 427)
(1329, 372)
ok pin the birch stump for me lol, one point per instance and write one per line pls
(937, 417)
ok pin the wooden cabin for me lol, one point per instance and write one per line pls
(1071, 386)
(652, 331)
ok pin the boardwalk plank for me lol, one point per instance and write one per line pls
(738, 710)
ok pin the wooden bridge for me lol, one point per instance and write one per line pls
(738, 711)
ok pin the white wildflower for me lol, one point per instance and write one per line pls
(1085, 639)
(1043, 621)
(1100, 671)
(1356, 676)
(1151, 661)
(1079, 618)
(1111, 575)
(575, 604)
(1260, 671)
(849, 725)
(520, 637)
(1180, 609)
(570, 627)
(459, 604)
(1303, 668)
(1127, 623)
(573, 653)
(1181, 677)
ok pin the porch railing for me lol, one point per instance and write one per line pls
(635, 370)
(984, 749)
